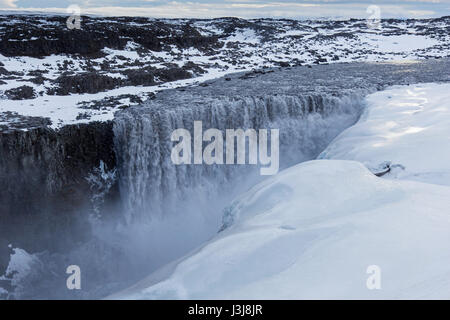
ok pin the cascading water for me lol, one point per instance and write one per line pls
(153, 187)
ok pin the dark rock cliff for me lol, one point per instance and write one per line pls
(96, 34)
(44, 190)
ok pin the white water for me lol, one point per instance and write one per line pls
(153, 187)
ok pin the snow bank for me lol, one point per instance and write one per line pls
(314, 230)
(408, 126)
(311, 232)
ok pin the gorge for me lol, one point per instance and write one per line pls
(109, 192)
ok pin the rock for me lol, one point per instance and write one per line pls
(139, 77)
(95, 35)
(172, 74)
(44, 188)
(191, 66)
(90, 82)
(20, 93)
(283, 64)
(320, 60)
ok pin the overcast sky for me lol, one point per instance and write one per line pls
(240, 8)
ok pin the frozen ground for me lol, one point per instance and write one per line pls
(92, 80)
(313, 230)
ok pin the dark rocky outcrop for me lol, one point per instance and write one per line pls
(20, 93)
(44, 188)
(93, 82)
(148, 76)
(31, 39)
(90, 82)
(3, 71)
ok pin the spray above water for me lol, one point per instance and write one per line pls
(157, 179)
(235, 147)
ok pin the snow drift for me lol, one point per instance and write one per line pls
(311, 232)
(406, 128)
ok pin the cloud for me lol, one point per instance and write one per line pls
(8, 4)
(250, 8)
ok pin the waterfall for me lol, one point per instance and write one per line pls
(152, 186)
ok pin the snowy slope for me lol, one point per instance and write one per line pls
(313, 230)
(408, 127)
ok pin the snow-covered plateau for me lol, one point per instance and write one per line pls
(313, 230)
(50, 75)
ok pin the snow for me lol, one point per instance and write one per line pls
(249, 48)
(64, 110)
(409, 126)
(245, 36)
(313, 230)
(128, 53)
(400, 43)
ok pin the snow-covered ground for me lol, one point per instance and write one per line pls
(316, 229)
(65, 110)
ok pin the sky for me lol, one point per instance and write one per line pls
(239, 8)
